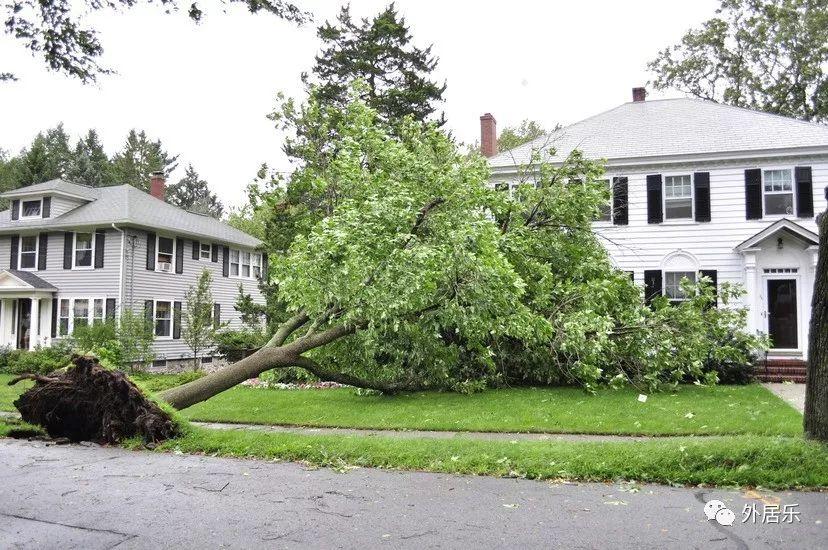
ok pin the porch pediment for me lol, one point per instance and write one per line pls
(777, 229)
(15, 281)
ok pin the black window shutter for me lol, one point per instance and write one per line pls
(151, 251)
(196, 250)
(701, 190)
(15, 209)
(225, 261)
(46, 211)
(265, 267)
(215, 253)
(110, 309)
(753, 194)
(714, 276)
(179, 255)
(100, 244)
(804, 192)
(54, 317)
(654, 214)
(631, 274)
(620, 195)
(15, 243)
(42, 249)
(68, 243)
(216, 315)
(176, 320)
(149, 314)
(652, 284)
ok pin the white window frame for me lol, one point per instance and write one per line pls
(792, 191)
(155, 319)
(692, 197)
(684, 274)
(158, 253)
(609, 180)
(209, 257)
(256, 260)
(75, 251)
(91, 318)
(39, 213)
(20, 253)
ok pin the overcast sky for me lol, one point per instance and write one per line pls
(204, 90)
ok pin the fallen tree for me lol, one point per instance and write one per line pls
(87, 402)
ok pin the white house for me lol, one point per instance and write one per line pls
(700, 188)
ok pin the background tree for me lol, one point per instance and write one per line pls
(199, 327)
(512, 136)
(58, 30)
(90, 163)
(192, 193)
(380, 52)
(769, 55)
(139, 158)
(816, 388)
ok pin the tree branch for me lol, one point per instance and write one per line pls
(340, 378)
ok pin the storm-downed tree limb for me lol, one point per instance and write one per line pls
(407, 254)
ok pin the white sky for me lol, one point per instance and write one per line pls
(204, 90)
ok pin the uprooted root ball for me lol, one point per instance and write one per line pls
(90, 403)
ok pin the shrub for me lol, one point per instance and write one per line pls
(237, 344)
(38, 361)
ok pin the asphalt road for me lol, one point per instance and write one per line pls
(91, 497)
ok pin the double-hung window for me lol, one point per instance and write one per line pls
(234, 263)
(165, 254)
(257, 266)
(163, 319)
(672, 284)
(678, 197)
(205, 251)
(778, 192)
(83, 249)
(28, 252)
(31, 209)
(605, 213)
(245, 264)
(76, 312)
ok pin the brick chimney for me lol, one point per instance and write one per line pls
(639, 94)
(158, 185)
(488, 135)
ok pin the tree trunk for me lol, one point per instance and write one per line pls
(816, 388)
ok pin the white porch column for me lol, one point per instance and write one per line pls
(752, 302)
(34, 324)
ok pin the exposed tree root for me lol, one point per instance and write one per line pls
(91, 403)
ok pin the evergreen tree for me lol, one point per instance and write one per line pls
(90, 164)
(139, 158)
(380, 52)
(35, 165)
(192, 193)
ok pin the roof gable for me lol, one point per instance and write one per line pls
(782, 226)
(670, 127)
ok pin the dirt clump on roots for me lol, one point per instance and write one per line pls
(90, 403)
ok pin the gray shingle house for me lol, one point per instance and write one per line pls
(72, 254)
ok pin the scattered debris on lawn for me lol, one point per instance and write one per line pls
(259, 383)
(90, 403)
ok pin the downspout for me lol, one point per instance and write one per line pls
(120, 269)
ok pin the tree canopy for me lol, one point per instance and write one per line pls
(380, 52)
(769, 55)
(60, 31)
(512, 136)
(192, 193)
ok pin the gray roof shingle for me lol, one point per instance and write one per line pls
(126, 205)
(30, 278)
(669, 127)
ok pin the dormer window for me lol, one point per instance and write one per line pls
(31, 209)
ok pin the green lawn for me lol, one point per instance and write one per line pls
(692, 410)
(756, 461)
(9, 393)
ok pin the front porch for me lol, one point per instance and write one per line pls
(26, 306)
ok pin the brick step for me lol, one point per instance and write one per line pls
(781, 370)
(781, 378)
(782, 363)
